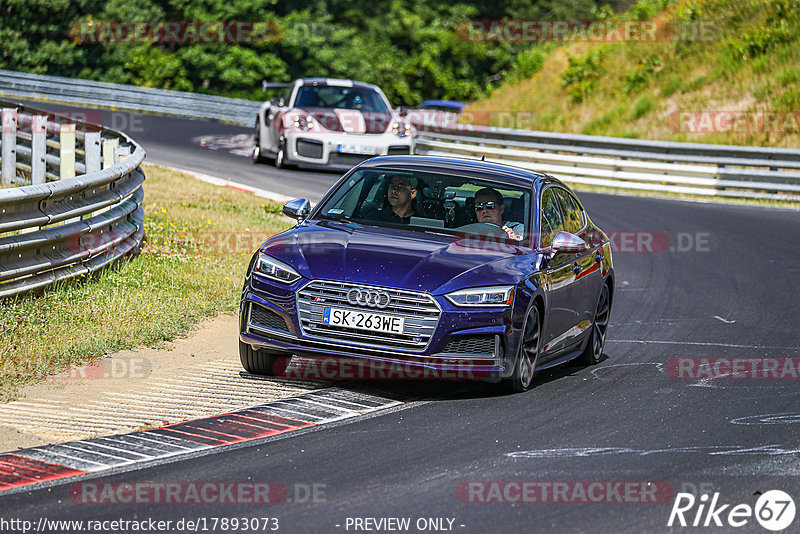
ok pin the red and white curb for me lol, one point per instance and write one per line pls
(38, 465)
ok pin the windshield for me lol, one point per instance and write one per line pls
(431, 202)
(335, 97)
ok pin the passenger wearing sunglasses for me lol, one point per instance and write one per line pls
(489, 209)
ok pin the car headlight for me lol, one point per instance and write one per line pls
(401, 128)
(482, 296)
(303, 123)
(275, 270)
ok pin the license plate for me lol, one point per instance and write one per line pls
(362, 320)
(358, 149)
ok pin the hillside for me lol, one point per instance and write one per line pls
(717, 71)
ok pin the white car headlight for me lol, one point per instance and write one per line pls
(275, 270)
(303, 123)
(482, 296)
(401, 128)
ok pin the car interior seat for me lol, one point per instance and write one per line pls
(469, 211)
(429, 204)
(515, 211)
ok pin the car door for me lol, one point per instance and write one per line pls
(585, 269)
(558, 279)
(273, 121)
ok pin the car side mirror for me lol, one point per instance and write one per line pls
(565, 242)
(298, 208)
(277, 101)
(402, 111)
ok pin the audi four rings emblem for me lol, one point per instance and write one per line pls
(366, 297)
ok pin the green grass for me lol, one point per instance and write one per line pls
(199, 240)
(746, 61)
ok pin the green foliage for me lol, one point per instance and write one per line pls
(644, 71)
(600, 123)
(672, 86)
(646, 9)
(780, 25)
(789, 99)
(582, 74)
(788, 76)
(643, 105)
(413, 49)
(528, 63)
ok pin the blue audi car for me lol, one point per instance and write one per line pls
(437, 264)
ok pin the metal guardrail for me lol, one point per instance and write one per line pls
(687, 168)
(55, 225)
(127, 97)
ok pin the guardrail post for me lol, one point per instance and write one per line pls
(67, 150)
(38, 148)
(9, 154)
(91, 147)
(108, 152)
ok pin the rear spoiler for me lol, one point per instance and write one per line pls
(274, 85)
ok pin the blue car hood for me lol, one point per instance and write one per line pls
(390, 257)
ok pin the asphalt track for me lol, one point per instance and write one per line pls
(720, 281)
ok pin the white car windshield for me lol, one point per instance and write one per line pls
(336, 97)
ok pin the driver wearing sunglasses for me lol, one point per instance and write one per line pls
(489, 208)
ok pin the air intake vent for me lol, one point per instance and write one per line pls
(309, 149)
(471, 345)
(261, 316)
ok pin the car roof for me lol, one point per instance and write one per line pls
(335, 82)
(462, 166)
(454, 104)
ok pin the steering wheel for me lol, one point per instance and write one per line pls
(484, 228)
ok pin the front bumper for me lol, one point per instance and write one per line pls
(313, 149)
(463, 340)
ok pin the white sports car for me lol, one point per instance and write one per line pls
(330, 122)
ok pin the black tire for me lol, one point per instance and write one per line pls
(256, 155)
(597, 337)
(261, 362)
(528, 355)
(280, 157)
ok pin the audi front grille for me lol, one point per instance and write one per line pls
(419, 311)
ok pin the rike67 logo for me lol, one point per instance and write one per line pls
(774, 510)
